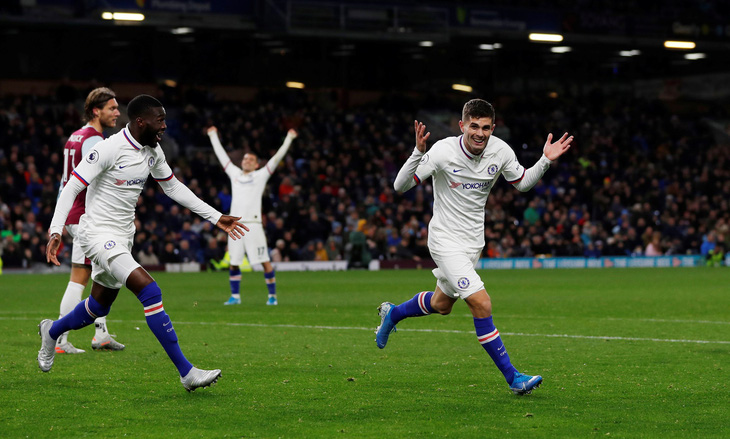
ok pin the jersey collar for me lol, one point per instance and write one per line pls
(469, 155)
(132, 141)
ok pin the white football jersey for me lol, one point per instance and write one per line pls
(461, 185)
(248, 188)
(246, 192)
(115, 172)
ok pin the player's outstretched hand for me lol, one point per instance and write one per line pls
(420, 136)
(292, 133)
(554, 150)
(212, 129)
(54, 242)
(230, 225)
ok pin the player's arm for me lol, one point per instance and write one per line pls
(551, 151)
(408, 176)
(63, 206)
(274, 161)
(90, 167)
(220, 152)
(174, 189)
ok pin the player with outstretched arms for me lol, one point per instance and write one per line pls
(114, 173)
(101, 110)
(464, 170)
(247, 187)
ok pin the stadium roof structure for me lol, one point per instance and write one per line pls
(375, 45)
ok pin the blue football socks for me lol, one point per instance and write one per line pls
(82, 315)
(234, 277)
(419, 305)
(160, 324)
(271, 282)
(492, 343)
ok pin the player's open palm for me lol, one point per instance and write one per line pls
(230, 225)
(554, 150)
(421, 135)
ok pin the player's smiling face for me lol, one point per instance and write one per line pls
(249, 163)
(109, 114)
(476, 133)
(153, 126)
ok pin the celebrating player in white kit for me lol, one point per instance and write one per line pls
(101, 110)
(247, 186)
(114, 173)
(464, 170)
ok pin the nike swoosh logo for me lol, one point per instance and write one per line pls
(122, 167)
(457, 170)
(500, 348)
(165, 324)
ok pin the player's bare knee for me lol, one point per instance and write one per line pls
(443, 309)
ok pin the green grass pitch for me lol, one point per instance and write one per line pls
(624, 353)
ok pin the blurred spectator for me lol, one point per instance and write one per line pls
(170, 254)
(654, 247)
(147, 257)
(186, 253)
(320, 252)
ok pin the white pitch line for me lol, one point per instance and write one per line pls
(442, 331)
(514, 316)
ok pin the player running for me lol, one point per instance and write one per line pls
(101, 110)
(247, 186)
(464, 170)
(115, 172)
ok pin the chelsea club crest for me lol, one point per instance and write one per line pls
(463, 283)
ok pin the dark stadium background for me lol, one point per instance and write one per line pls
(650, 161)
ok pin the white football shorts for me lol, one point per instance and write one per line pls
(253, 243)
(455, 274)
(101, 248)
(77, 255)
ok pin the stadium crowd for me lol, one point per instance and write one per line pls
(639, 180)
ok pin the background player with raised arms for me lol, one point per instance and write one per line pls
(247, 186)
(115, 172)
(101, 110)
(464, 170)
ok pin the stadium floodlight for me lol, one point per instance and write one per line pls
(294, 84)
(629, 52)
(122, 16)
(462, 87)
(685, 45)
(182, 30)
(696, 55)
(426, 43)
(546, 38)
(561, 49)
(486, 46)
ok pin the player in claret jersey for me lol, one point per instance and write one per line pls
(464, 170)
(101, 110)
(115, 172)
